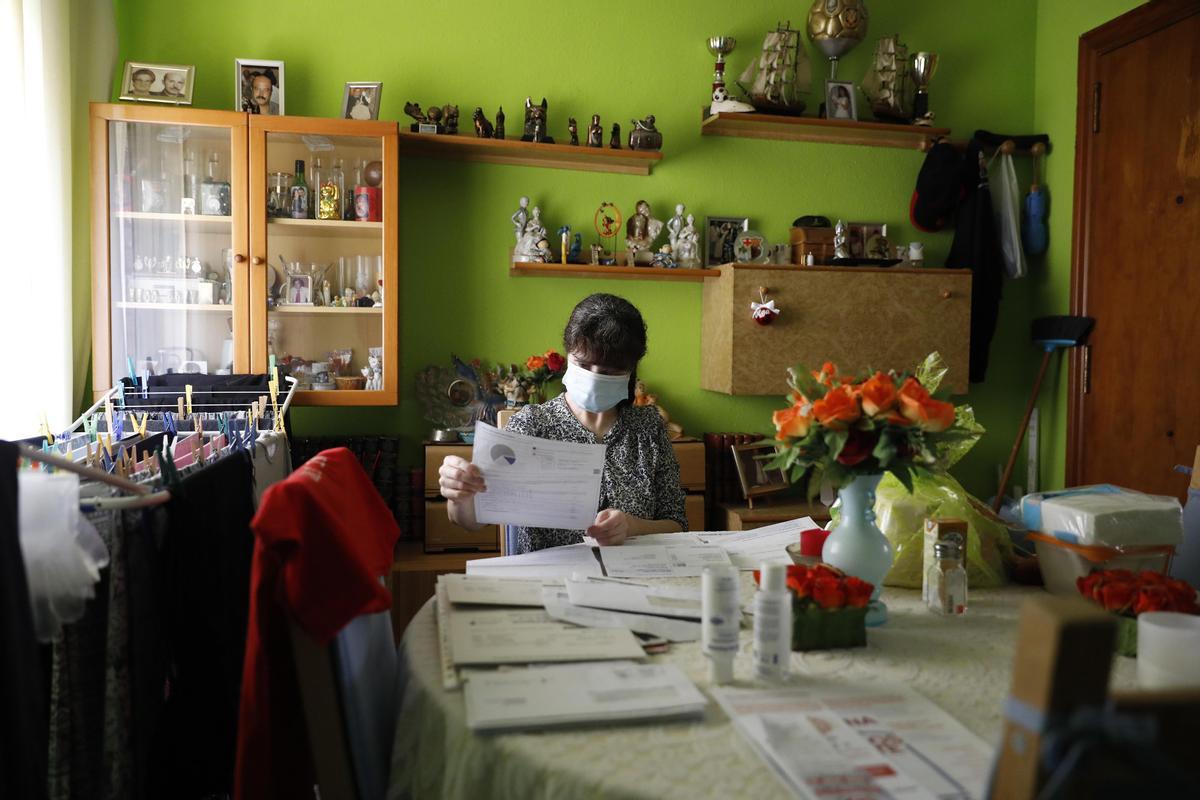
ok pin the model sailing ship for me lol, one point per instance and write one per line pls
(887, 84)
(779, 76)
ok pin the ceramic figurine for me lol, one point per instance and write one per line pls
(663, 258)
(595, 133)
(615, 140)
(521, 218)
(596, 251)
(687, 245)
(640, 232)
(326, 292)
(483, 128)
(576, 249)
(674, 226)
(450, 118)
(535, 122)
(139, 265)
(841, 244)
(348, 296)
(644, 136)
(573, 128)
(499, 123)
(533, 246)
(514, 390)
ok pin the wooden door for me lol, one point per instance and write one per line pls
(1136, 267)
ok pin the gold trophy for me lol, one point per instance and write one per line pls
(924, 65)
(721, 46)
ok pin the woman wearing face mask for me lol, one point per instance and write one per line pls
(605, 338)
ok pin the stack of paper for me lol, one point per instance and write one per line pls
(559, 606)
(685, 560)
(553, 562)
(578, 693)
(528, 636)
(652, 538)
(750, 549)
(638, 598)
(836, 742)
(490, 591)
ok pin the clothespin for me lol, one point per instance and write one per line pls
(188, 390)
(180, 406)
(45, 431)
(106, 444)
(271, 366)
(89, 427)
(132, 374)
(277, 420)
(121, 395)
(222, 423)
(140, 427)
(119, 430)
(197, 452)
(123, 464)
(169, 423)
(108, 413)
(145, 383)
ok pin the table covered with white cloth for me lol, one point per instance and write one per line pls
(963, 664)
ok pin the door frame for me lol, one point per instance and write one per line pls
(1125, 29)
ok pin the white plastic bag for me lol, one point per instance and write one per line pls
(1006, 206)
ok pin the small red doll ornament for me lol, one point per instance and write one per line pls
(764, 312)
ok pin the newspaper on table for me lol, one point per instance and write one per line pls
(830, 741)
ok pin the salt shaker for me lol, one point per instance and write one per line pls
(947, 580)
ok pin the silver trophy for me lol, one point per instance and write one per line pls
(721, 46)
(924, 65)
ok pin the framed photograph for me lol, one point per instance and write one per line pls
(756, 478)
(840, 102)
(299, 291)
(860, 234)
(157, 83)
(361, 100)
(721, 238)
(258, 86)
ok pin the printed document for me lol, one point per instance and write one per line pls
(578, 693)
(486, 590)
(553, 562)
(830, 741)
(661, 560)
(536, 482)
(559, 606)
(749, 549)
(665, 601)
(522, 637)
(651, 538)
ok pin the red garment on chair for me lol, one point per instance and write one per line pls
(323, 537)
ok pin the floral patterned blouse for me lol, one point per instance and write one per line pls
(641, 475)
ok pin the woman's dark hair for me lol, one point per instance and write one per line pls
(607, 330)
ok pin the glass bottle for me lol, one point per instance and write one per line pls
(191, 179)
(279, 186)
(947, 580)
(298, 206)
(332, 192)
(214, 192)
(355, 180)
(316, 174)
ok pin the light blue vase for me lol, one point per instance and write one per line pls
(857, 546)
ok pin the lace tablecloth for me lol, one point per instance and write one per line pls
(962, 664)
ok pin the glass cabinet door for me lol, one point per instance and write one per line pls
(175, 248)
(319, 227)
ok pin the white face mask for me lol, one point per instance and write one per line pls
(593, 391)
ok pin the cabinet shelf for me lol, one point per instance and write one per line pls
(200, 307)
(343, 397)
(324, 310)
(527, 269)
(285, 226)
(813, 129)
(466, 147)
(202, 221)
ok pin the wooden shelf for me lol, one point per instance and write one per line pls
(285, 226)
(529, 154)
(343, 397)
(324, 310)
(812, 129)
(716, 271)
(201, 307)
(191, 220)
(527, 269)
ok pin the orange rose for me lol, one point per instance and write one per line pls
(878, 394)
(917, 406)
(858, 592)
(535, 362)
(827, 375)
(792, 421)
(829, 593)
(837, 409)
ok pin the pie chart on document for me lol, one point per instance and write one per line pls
(502, 453)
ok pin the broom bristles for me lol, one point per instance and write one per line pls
(1062, 331)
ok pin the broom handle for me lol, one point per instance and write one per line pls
(1012, 457)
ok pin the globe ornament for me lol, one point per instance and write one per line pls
(836, 26)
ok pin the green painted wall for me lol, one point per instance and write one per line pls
(1059, 26)
(622, 60)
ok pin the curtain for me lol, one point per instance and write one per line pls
(54, 56)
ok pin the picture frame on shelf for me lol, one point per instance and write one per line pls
(756, 478)
(300, 290)
(258, 86)
(720, 239)
(158, 83)
(840, 100)
(360, 99)
(859, 233)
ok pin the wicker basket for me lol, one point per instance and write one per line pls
(351, 382)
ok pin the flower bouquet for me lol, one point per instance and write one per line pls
(1126, 595)
(829, 608)
(541, 370)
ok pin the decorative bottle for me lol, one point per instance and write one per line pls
(331, 192)
(191, 179)
(316, 174)
(947, 580)
(298, 206)
(214, 192)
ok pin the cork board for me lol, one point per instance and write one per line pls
(857, 318)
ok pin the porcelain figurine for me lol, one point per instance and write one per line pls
(521, 218)
(533, 246)
(499, 123)
(640, 232)
(514, 391)
(595, 133)
(644, 136)
(841, 243)
(615, 140)
(576, 249)
(663, 258)
(675, 225)
(573, 129)
(535, 122)
(483, 128)
(450, 118)
(687, 245)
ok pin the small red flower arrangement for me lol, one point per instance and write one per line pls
(540, 370)
(829, 607)
(1127, 594)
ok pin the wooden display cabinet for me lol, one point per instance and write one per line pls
(181, 267)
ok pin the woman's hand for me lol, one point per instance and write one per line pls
(612, 527)
(459, 479)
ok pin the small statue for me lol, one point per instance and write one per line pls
(615, 141)
(841, 244)
(348, 296)
(514, 390)
(663, 258)
(595, 133)
(640, 232)
(644, 136)
(576, 249)
(687, 245)
(326, 292)
(596, 251)
(483, 128)
(643, 398)
(450, 119)
(533, 246)
(434, 115)
(573, 128)
(521, 218)
(878, 247)
(535, 122)
(414, 111)
(499, 123)
(674, 226)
